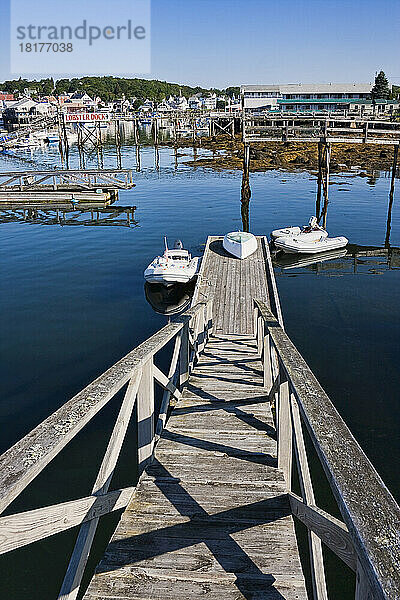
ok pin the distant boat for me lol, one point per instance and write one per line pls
(53, 138)
(30, 141)
(297, 245)
(174, 266)
(240, 243)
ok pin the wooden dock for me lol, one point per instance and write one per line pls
(226, 474)
(211, 515)
(234, 283)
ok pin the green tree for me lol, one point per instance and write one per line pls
(381, 88)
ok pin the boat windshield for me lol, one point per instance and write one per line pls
(178, 257)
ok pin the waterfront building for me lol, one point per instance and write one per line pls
(26, 109)
(328, 97)
(210, 102)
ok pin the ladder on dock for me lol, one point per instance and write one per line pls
(212, 513)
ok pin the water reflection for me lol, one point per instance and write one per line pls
(66, 214)
(293, 261)
(169, 300)
(245, 201)
(373, 260)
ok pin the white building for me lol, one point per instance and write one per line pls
(306, 97)
(196, 101)
(147, 106)
(25, 110)
(210, 102)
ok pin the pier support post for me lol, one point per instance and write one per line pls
(267, 362)
(118, 144)
(184, 356)
(155, 131)
(136, 131)
(246, 190)
(285, 432)
(80, 147)
(99, 147)
(391, 195)
(145, 415)
(319, 183)
(326, 152)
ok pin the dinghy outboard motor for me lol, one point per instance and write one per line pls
(178, 245)
(313, 222)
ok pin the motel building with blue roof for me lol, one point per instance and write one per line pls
(350, 98)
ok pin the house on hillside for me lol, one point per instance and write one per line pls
(165, 105)
(196, 101)
(79, 102)
(210, 102)
(181, 103)
(147, 106)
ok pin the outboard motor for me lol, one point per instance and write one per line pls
(313, 222)
(178, 245)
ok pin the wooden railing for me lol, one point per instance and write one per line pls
(313, 129)
(368, 539)
(137, 373)
(89, 179)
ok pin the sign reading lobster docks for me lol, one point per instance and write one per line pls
(87, 117)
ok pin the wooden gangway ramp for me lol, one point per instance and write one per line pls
(211, 517)
(223, 477)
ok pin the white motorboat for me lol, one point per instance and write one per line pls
(240, 243)
(312, 231)
(174, 266)
(299, 245)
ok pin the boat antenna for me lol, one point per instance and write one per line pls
(165, 242)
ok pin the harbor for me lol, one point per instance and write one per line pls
(200, 277)
(278, 185)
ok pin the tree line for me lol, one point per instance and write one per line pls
(111, 88)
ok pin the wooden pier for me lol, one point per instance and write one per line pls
(211, 512)
(64, 185)
(224, 477)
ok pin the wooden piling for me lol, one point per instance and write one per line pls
(319, 183)
(118, 144)
(391, 196)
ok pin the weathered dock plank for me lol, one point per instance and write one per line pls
(234, 284)
(211, 515)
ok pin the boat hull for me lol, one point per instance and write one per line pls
(169, 275)
(240, 249)
(295, 245)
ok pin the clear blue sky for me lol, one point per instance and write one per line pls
(228, 42)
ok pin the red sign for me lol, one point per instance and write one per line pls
(6, 97)
(86, 117)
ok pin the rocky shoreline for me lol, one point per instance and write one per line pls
(228, 154)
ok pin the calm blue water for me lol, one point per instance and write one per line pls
(72, 302)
